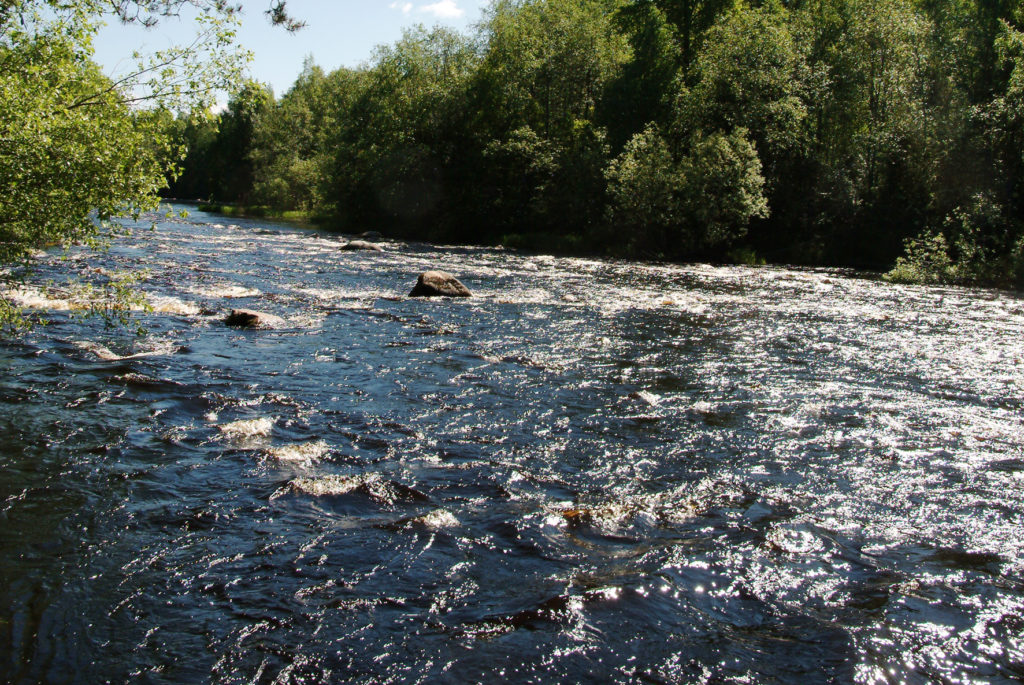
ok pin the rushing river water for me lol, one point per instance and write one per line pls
(591, 471)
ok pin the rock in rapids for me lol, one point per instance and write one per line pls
(248, 318)
(353, 245)
(439, 284)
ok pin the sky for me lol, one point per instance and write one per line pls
(338, 33)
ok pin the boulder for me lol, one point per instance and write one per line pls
(439, 284)
(248, 318)
(361, 245)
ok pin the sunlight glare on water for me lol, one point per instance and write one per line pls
(589, 471)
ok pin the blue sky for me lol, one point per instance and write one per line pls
(338, 33)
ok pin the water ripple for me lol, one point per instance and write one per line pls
(591, 470)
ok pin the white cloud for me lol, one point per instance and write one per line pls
(443, 9)
(405, 7)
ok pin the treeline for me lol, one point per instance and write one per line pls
(869, 133)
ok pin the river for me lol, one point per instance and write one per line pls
(590, 471)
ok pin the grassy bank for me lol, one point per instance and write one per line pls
(296, 216)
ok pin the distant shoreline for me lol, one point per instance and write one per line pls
(256, 212)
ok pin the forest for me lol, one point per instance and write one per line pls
(878, 134)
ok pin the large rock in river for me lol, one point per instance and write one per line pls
(248, 318)
(361, 245)
(439, 284)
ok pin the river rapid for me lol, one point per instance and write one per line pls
(590, 471)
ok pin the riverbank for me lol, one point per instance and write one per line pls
(293, 216)
(927, 263)
(570, 245)
(560, 245)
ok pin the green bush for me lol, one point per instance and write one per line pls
(926, 260)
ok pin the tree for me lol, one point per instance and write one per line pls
(535, 98)
(399, 156)
(194, 179)
(691, 18)
(233, 146)
(721, 190)
(547, 63)
(93, 158)
(150, 12)
(521, 168)
(289, 141)
(862, 184)
(75, 151)
(643, 92)
(977, 235)
(750, 75)
(695, 205)
(643, 185)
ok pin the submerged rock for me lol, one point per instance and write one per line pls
(361, 245)
(439, 284)
(248, 318)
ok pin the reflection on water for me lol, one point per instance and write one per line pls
(590, 470)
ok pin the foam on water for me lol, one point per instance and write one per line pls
(156, 348)
(35, 298)
(223, 290)
(164, 304)
(438, 519)
(591, 470)
(306, 452)
(248, 428)
(333, 485)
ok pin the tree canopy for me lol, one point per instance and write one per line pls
(851, 132)
(78, 148)
(867, 133)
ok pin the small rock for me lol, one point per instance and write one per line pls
(361, 245)
(439, 284)
(372, 236)
(247, 318)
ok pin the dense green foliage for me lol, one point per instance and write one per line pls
(79, 149)
(68, 143)
(873, 133)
